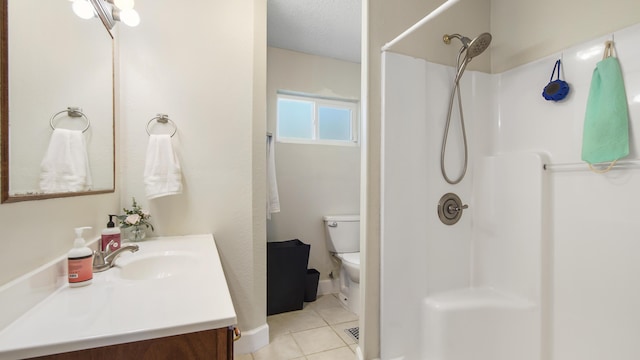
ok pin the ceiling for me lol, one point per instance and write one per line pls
(328, 28)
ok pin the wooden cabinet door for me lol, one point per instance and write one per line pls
(209, 344)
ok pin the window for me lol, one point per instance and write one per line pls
(316, 120)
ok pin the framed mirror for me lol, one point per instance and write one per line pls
(52, 60)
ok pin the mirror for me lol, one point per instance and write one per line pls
(52, 60)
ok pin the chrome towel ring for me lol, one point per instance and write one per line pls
(162, 119)
(74, 112)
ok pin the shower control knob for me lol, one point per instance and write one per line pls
(450, 208)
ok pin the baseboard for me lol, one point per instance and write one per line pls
(252, 340)
(329, 286)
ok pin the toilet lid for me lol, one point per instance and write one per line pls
(353, 258)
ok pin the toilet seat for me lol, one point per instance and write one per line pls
(352, 258)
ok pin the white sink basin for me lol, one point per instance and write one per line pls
(160, 265)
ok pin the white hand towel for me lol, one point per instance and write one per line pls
(273, 199)
(65, 166)
(162, 173)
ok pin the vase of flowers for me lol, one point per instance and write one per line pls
(135, 221)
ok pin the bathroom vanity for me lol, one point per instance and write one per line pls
(169, 300)
(210, 344)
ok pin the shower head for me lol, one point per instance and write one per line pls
(474, 47)
(478, 45)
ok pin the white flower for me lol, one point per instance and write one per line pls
(132, 219)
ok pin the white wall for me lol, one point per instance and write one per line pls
(36, 232)
(313, 180)
(527, 30)
(204, 65)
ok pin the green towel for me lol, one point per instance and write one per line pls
(606, 124)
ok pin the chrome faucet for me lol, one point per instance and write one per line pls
(105, 260)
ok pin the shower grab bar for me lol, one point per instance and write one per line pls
(583, 166)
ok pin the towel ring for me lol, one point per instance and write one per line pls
(73, 112)
(162, 119)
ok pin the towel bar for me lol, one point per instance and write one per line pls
(73, 112)
(162, 119)
(580, 166)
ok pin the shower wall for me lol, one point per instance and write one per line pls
(589, 253)
(420, 255)
(593, 227)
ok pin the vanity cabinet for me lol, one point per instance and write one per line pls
(209, 344)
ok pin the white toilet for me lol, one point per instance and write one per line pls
(343, 241)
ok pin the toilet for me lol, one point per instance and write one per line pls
(342, 233)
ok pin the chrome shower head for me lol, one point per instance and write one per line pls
(474, 47)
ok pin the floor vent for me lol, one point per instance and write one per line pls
(354, 332)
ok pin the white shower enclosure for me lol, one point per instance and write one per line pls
(450, 291)
(543, 263)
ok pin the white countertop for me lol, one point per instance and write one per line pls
(114, 310)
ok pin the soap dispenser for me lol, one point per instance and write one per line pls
(111, 232)
(80, 261)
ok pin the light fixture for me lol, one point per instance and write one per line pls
(122, 10)
(83, 9)
(128, 17)
(109, 11)
(123, 4)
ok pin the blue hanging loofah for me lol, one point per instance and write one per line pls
(557, 89)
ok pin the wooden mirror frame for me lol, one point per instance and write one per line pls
(5, 196)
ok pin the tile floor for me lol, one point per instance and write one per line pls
(314, 333)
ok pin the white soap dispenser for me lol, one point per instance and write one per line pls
(80, 261)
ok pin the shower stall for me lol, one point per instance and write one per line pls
(464, 276)
(539, 265)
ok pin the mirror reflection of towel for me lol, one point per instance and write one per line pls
(65, 166)
(162, 173)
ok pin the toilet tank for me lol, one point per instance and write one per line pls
(342, 233)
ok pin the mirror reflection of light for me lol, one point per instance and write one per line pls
(637, 98)
(83, 9)
(589, 53)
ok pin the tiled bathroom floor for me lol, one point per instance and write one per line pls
(313, 333)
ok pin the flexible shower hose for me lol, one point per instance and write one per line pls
(456, 88)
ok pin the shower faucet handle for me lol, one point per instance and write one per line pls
(457, 208)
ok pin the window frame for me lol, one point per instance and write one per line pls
(317, 102)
